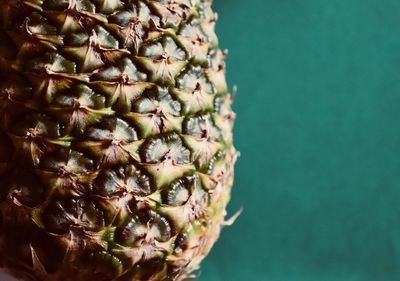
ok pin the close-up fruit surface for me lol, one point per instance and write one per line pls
(116, 154)
(116, 151)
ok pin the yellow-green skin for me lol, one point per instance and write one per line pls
(116, 156)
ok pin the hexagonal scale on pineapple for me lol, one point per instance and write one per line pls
(42, 31)
(177, 194)
(34, 135)
(202, 126)
(49, 63)
(112, 142)
(137, 10)
(122, 84)
(72, 15)
(78, 108)
(203, 150)
(53, 74)
(194, 207)
(112, 129)
(156, 113)
(173, 13)
(124, 179)
(124, 68)
(79, 240)
(145, 237)
(146, 226)
(67, 172)
(194, 39)
(131, 26)
(163, 59)
(59, 216)
(166, 158)
(34, 35)
(99, 49)
(194, 90)
(203, 137)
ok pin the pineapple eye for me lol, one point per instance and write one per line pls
(137, 10)
(194, 79)
(71, 160)
(173, 12)
(160, 227)
(113, 129)
(195, 41)
(167, 47)
(144, 227)
(59, 216)
(202, 126)
(166, 148)
(177, 194)
(131, 232)
(50, 63)
(124, 68)
(160, 101)
(124, 180)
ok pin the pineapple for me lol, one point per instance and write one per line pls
(116, 155)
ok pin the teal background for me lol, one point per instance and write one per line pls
(318, 129)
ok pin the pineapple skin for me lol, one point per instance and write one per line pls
(116, 154)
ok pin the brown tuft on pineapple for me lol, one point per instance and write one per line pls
(116, 155)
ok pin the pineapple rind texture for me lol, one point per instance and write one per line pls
(116, 154)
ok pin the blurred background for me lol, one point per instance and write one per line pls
(318, 128)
